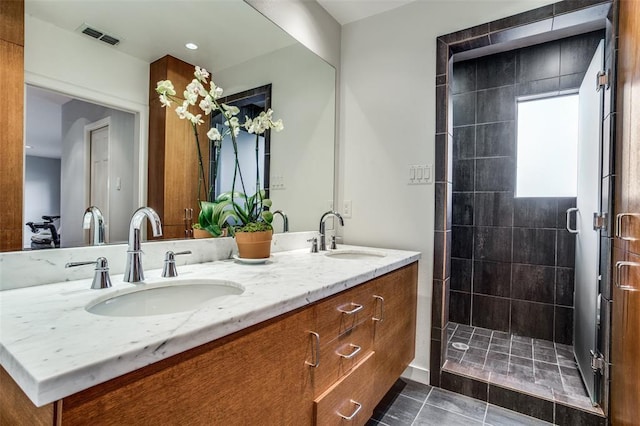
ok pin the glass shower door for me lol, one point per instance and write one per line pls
(587, 238)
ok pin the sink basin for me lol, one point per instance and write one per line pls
(164, 298)
(354, 254)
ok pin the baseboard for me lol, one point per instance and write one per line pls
(417, 374)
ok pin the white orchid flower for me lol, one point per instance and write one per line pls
(196, 87)
(207, 105)
(165, 87)
(234, 125)
(230, 110)
(190, 97)
(248, 124)
(182, 110)
(232, 122)
(278, 125)
(214, 135)
(165, 101)
(201, 74)
(215, 92)
(195, 119)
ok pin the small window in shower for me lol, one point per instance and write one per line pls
(547, 147)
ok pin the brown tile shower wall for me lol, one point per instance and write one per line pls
(512, 263)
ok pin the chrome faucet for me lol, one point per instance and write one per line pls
(133, 269)
(285, 220)
(92, 212)
(323, 243)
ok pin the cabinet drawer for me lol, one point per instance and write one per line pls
(341, 355)
(350, 401)
(342, 312)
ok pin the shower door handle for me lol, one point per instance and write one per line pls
(569, 211)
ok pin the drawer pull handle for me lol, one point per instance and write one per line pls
(618, 278)
(357, 308)
(353, 353)
(316, 340)
(381, 317)
(619, 233)
(355, 412)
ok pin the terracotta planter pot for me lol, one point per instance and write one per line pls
(254, 245)
(201, 233)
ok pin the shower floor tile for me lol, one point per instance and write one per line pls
(545, 369)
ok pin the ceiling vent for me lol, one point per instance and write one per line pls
(98, 34)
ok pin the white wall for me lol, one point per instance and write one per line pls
(387, 116)
(75, 116)
(307, 22)
(41, 191)
(303, 95)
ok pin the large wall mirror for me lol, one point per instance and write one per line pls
(88, 83)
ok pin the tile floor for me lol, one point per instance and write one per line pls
(411, 403)
(544, 368)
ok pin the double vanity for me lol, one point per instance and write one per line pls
(304, 338)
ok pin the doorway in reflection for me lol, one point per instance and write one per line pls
(59, 175)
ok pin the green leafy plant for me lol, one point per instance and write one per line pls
(215, 215)
(246, 213)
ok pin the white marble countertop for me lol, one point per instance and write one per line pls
(53, 347)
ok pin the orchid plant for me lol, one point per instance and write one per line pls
(251, 212)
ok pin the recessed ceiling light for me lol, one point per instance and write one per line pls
(28, 146)
(191, 46)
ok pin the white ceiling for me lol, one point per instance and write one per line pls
(224, 30)
(346, 11)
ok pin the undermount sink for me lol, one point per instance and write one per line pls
(164, 298)
(353, 254)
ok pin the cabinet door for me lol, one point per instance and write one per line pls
(255, 378)
(394, 325)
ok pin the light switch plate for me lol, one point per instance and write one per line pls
(420, 174)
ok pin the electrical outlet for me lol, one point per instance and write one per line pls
(346, 209)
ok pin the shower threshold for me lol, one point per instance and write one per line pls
(539, 368)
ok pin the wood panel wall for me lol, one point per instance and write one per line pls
(11, 123)
(625, 354)
(173, 159)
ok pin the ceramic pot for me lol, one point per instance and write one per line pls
(254, 245)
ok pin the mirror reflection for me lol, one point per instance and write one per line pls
(88, 76)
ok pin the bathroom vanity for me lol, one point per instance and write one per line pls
(312, 339)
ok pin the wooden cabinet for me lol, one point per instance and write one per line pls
(12, 122)
(625, 329)
(274, 373)
(173, 155)
(394, 326)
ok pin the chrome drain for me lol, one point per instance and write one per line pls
(460, 346)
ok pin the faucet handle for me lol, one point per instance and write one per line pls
(314, 244)
(169, 269)
(333, 242)
(101, 278)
